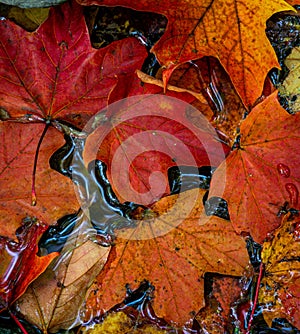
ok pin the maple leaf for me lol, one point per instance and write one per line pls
(263, 172)
(55, 74)
(279, 289)
(19, 263)
(147, 134)
(174, 262)
(233, 32)
(52, 301)
(19, 143)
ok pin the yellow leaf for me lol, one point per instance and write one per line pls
(280, 287)
(290, 88)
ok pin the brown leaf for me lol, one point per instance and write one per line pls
(52, 302)
(215, 317)
(279, 291)
(172, 247)
(263, 172)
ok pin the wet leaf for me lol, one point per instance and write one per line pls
(52, 302)
(207, 76)
(233, 32)
(215, 316)
(56, 195)
(20, 264)
(289, 89)
(280, 286)
(30, 18)
(145, 136)
(120, 323)
(263, 172)
(55, 74)
(172, 247)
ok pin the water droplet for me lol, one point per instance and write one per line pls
(283, 170)
(293, 193)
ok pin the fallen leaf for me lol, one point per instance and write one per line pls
(141, 137)
(223, 292)
(279, 290)
(20, 264)
(289, 89)
(233, 32)
(54, 74)
(263, 172)
(208, 77)
(30, 18)
(171, 247)
(56, 195)
(53, 301)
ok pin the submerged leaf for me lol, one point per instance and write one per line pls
(20, 264)
(120, 323)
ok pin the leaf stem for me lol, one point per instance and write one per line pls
(260, 274)
(33, 192)
(16, 320)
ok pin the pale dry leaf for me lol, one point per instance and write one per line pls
(290, 88)
(53, 300)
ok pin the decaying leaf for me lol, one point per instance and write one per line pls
(279, 291)
(214, 318)
(29, 18)
(232, 31)
(174, 262)
(20, 264)
(289, 89)
(55, 192)
(263, 172)
(52, 302)
(55, 74)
